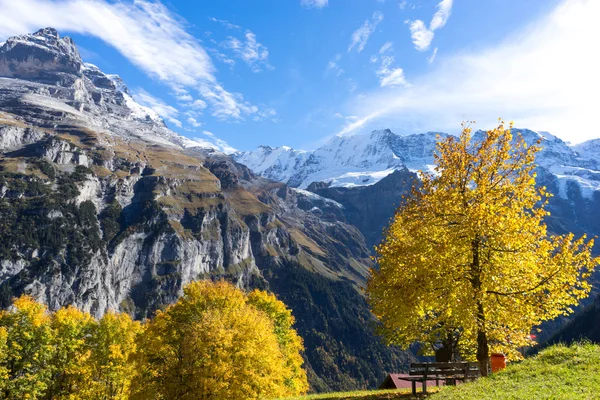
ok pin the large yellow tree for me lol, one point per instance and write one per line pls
(215, 344)
(467, 260)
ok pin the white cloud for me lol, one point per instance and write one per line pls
(146, 33)
(184, 97)
(387, 46)
(421, 35)
(432, 56)
(402, 4)
(333, 66)
(167, 112)
(389, 76)
(249, 50)
(192, 121)
(215, 143)
(225, 23)
(544, 76)
(360, 36)
(197, 104)
(314, 3)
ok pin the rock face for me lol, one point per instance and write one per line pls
(103, 207)
(371, 207)
(43, 56)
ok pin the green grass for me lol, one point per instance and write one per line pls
(403, 394)
(559, 372)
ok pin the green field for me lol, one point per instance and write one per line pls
(559, 372)
(404, 394)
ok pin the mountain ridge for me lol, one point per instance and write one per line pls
(381, 152)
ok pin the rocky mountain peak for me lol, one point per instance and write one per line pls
(42, 56)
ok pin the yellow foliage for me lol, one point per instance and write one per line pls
(113, 345)
(28, 348)
(69, 364)
(213, 344)
(468, 255)
(216, 342)
(290, 344)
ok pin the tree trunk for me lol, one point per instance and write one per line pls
(483, 351)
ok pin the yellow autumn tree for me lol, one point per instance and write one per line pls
(70, 361)
(28, 348)
(4, 370)
(211, 344)
(113, 343)
(290, 343)
(468, 259)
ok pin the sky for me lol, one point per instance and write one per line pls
(242, 73)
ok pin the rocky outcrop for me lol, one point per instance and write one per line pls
(370, 208)
(43, 56)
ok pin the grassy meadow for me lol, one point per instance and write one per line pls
(559, 372)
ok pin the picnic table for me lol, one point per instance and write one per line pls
(450, 372)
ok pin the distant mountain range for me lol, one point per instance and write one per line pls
(365, 159)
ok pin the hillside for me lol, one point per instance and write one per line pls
(103, 207)
(584, 325)
(559, 372)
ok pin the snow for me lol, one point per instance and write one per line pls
(279, 164)
(315, 196)
(118, 82)
(346, 161)
(365, 159)
(50, 103)
(587, 180)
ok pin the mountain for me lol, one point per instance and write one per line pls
(346, 166)
(346, 161)
(103, 207)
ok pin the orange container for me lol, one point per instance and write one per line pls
(498, 361)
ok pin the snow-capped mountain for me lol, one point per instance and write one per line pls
(45, 72)
(365, 159)
(344, 160)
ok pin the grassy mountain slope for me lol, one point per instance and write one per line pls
(559, 372)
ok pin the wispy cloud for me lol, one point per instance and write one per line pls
(192, 121)
(360, 36)
(423, 36)
(148, 34)
(544, 76)
(210, 140)
(249, 50)
(314, 3)
(387, 73)
(390, 76)
(334, 66)
(166, 111)
(387, 46)
(225, 23)
(432, 56)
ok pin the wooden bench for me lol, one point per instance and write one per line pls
(447, 371)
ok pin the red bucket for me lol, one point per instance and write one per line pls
(498, 361)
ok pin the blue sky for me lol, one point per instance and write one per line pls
(296, 72)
